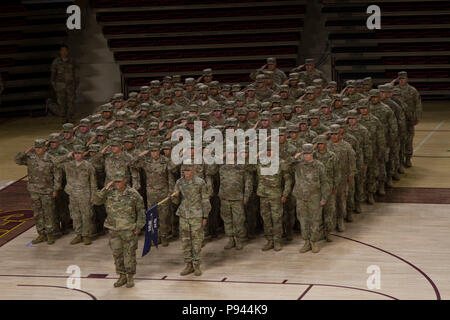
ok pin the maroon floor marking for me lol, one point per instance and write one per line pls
(163, 277)
(284, 281)
(436, 290)
(97, 275)
(46, 286)
(9, 185)
(223, 280)
(305, 292)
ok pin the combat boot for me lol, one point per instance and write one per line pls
(358, 207)
(306, 247)
(51, 239)
(197, 270)
(277, 245)
(401, 170)
(122, 280)
(408, 163)
(289, 235)
(370, 199)
(327, 237)
(381, 191)
(187, 270)
(349, 217)
(340, 225)
(315, 247)
(87, 241)
(130, 280)
(396, 177)
(164, 242)
(39, 239)
(268, 246)
(389, 182)
(76, 240)
(230, 244)
(239, 245)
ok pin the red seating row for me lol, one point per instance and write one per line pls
(202, 53)
(191, 14)
(216, 26)
(140, 3)
(416, 60)
(177, 41)
(228, 65)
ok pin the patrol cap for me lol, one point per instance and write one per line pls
(294, 76)
(314, 113)
(167, 79)
(276, 110)
(350, 83)
(265, 115)
(207, 72)
(359, 83)
(352, 114)
(54, 137)
(338, 97)
(78, 148)
(189, 81)
(155, 84)
(204, 116)
(144, 106)
(252, 107)
(177, 87)
(140, 132)
(94, 147)
(242, 110)
(276, 98)
(320, 139)
(100, 130)
(156, 107)
(250, 87)
(116, 141)
(191, 119)
(229, 105)
(132, 119)
(334, 128)
(396, 91)
(374, 93)
(129, 138)
(282, 131)
(107, 107)
(230, 122)
(132, 94)
(184, 115)
(144, 89)
(293, 128)
(187, 167)
(332, 84)
(117, 97)
(236, 87)
(132, 98)
(203, 89)
(168, 93)
(169, 117)
(382, 88)
(341, 122)
(265, 106)
(324, 104)
(166, 145)
(176, 78)
(271, 60)
(362, 105)
(154, 146)
(120, 116)
(302, 119)
(239, 96)
(345, 101)
(153, 126)
(260, 78)
(308, 148)
(214, 85)
(268, 74)
(318, 83)
(367, 80)
(310, 89)
(193, 107)
(118, 176)
(84, 122)
(284, 88)
(287, 109)
(402, 75)
(309, 61)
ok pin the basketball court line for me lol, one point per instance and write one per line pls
(429, 136)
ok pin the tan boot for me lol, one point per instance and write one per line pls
(381, 190)
(396, 177)
(87, 241)
(122, 280)
(187, 270)
(370, 199)
(268, 246)
(358, 207)
(340, 225)
(277, 245)
(408, 163)
(39, 239)
(164, 242)
(389, 182)
(315, 247)
(327, 237)
(76, 240)
(197, 270)
(306, 247)
(349, 217)
(51, 239)
(230, 244)
(239, 245)
(130, 280)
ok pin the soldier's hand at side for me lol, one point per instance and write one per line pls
(137, 231)
(283, 199)
(350, 179)
(322, 203)
(245, 202)
(364, 167)
(334, 192)
(54, 194)
(204, 221)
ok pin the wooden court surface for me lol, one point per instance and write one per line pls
(408, 242)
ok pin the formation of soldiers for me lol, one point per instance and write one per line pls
(337, 149)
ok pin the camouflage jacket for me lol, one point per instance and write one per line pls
(274, 185)
(80, 178)
(414, 102)
(376, 131)
(330, 161)
(388, 120)
(64, 73)
(194, 198)
(125, 209)
(121, 162)
(310, 180)
(363, 135)
(345, 157)
(44, 176)
(157, 172)
(235, 182)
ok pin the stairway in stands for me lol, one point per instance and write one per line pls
(30, 35)
(151, 39)
(414, 36)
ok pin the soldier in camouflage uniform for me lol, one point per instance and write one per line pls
(311, 190)
(305, 132)
(98, 162)
(44, 181)
(316, 125)
(159, 180)
(193, 212)
(125, 218)
(329, 160)
(69, 138)
(413, 112)
(311, 73)
(64, 79)
(81, 186)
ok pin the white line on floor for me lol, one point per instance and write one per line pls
(429, 136)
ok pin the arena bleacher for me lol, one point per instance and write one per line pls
(414, 36)
(186, 36)
(30, 35)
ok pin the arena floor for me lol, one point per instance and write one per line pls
(407, 240)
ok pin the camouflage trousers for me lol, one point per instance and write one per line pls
(233, 216)
(381, 177)
(153, 197)
(351, 197)
(124, 245)
(272, 213)
(394, 159)
(341, 202)
(65, 96)
(289, 216)
(82, 214)
(329, 214)
(410, 131)
(192, 235)
(309, 214)
(371, 175)
(45, 219)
